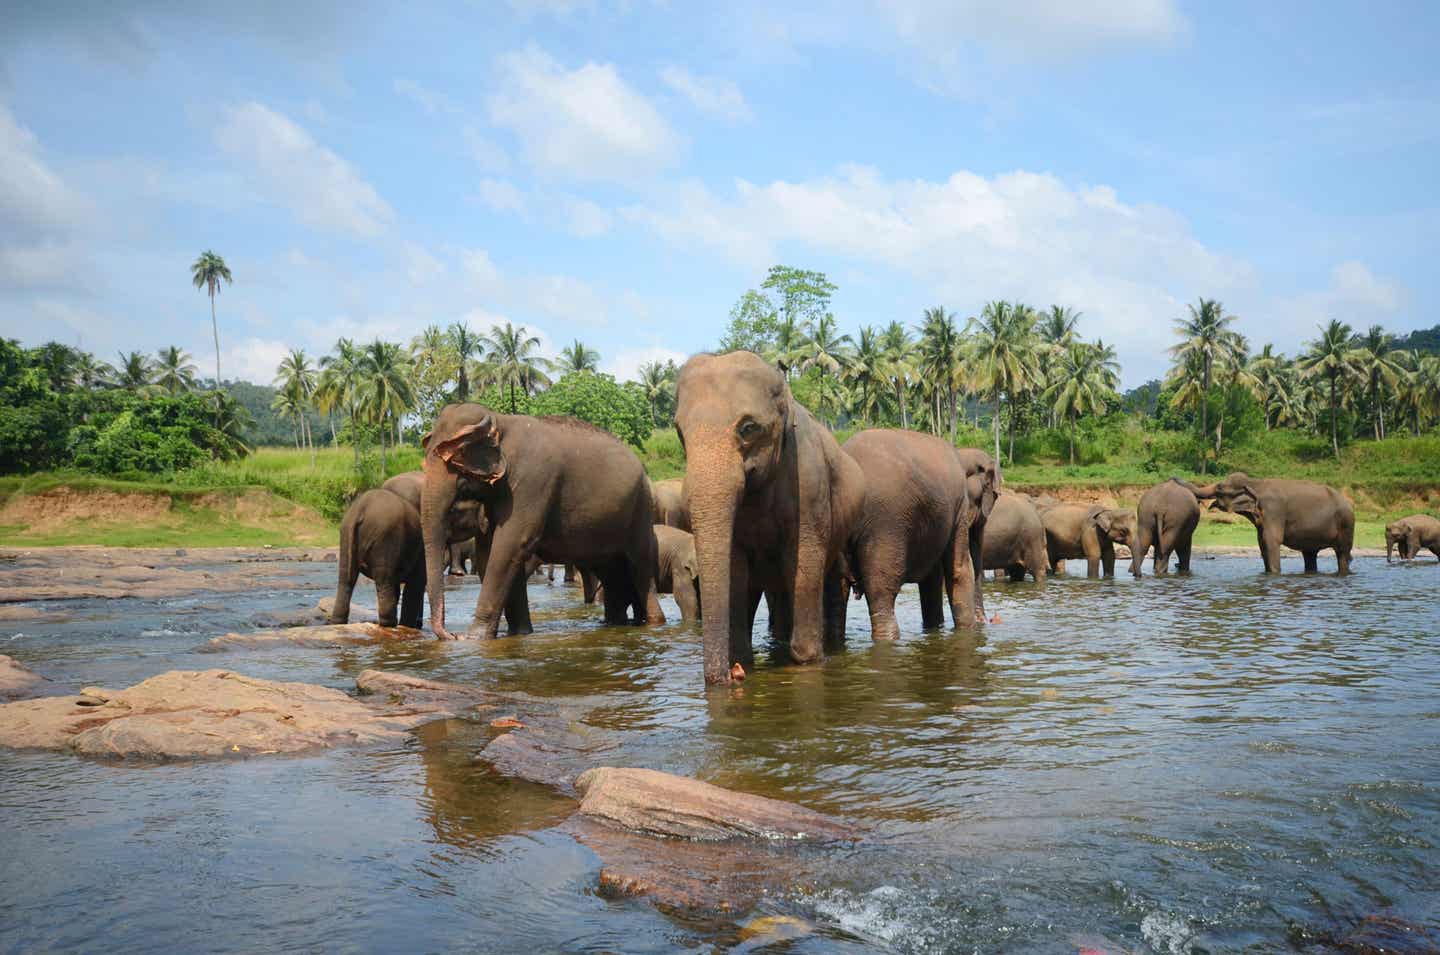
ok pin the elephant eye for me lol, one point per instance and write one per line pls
(749, 430)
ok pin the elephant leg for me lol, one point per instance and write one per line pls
(387, 597)
(517, 609)
(647, 595)
(780, 609)
(570, 576)
(412, 603)
(589, 583)
(835, 598)
(1107, 558)
(932, 601)
(1017, 572)
(1342, 560)
(976, 535)
(1140, 548)
(1091, 545)
(1037, 563)
(881, 603)
(807, 627)
(1182, 552)
(504, 561)
(1312, 561)
(687, 596)
(1270, 550)
(960, 581)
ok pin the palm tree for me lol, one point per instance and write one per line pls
(1379, 364)
(900, 355)
(296, 377)
(287, 404)
(1234, 371)
(1334, 358)
(1056, 329)
(788, 349)
(1083, 383)
(1202, 338)
(386, 395)
(134, 372)
(658, 382)
(465, 344)
(825, 350)
(1268, 370)
(865, 370)
(1005, 360)
(232, 420)
(577, 356)
(341, 375)
(207, 272)
(513, 359)
(90, 373)
(174, 370)
(940, 363)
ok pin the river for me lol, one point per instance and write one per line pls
(1222, 762)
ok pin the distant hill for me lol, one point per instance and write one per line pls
(270, 428)
(1424, 339)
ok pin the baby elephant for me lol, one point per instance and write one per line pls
(1090, 531)
(677, 571)
(380, 538)
(1411, 535)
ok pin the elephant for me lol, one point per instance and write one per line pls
(1301, 515)
(982, 486)
(1090, 531)
(914, 527)
(466, 521)
(670, 503)
(1015, 539)
(461, 552)
(677, 571)
(771, 499)
(554, 489)
(1412, 534)
(1166, 518)
(380, 538)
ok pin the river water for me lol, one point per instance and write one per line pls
(1223, 762)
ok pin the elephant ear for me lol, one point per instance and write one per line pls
(473, 451)
(1103, 520)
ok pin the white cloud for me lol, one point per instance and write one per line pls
(625, 363)
(583, 218)
(969, 238)
(292, 169)
(421, 267)
(1030, 29)
(479, 269)
(253, 359)
(488, 155)
(560, 9)
(501, 195)
(429, 101)
(1355, 295)
(583, 124)
(709, 94)
(47, 265)
(34, 200)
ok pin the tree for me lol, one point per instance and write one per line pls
(1202, 340)
(900, 356)
(1377, 360)
(940, 364)
(657, 380)
(752, 325)
(207, 272)
(513, 359)
(804, 295)
(134, 373)
(865, 370)
(1084, 383)
(577, 356)
(1056, 329)
(1005, 360)
(341, 377)
(1334, 358)
(91, 373)
(385, 393)
(434, 365)
(296, 379)
(174, 371)
(826, 351)
(466, 345)
(598, 399)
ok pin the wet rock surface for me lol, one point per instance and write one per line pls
(17, 681)
(318, 637)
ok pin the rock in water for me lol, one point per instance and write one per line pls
(656, 803)
(18, 681)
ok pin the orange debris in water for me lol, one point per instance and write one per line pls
(737, 672)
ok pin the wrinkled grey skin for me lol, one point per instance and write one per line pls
(771, 499)
(1073, 531)
(1015, 539)
(554, 489)
(1165, 519)
(670, 503)
(677, 569)
(466, 521)
(982, 488)
(1411, 535)
(914, 527)
(1301, 515)
(380, 538)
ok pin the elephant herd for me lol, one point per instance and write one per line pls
(770, 506)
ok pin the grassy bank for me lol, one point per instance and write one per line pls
(277, 496)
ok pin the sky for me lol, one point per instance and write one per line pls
(623, 172)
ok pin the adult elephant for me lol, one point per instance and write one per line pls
(677, 570)
(1412, 534)
(554, 489)
(670, 503)
(466, 521)
(380, 538)
(982, 487)
(1015, 539)
(772, 499)
(914, 527)
(1091, 531)
(1166, 518)
(1301, 515)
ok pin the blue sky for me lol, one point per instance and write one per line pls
(623, 172)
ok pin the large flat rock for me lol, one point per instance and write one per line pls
(18, 681)
(319, 637)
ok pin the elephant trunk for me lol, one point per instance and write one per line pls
(1390, 546)
(713, 501)
(436, 497)
(349, 571)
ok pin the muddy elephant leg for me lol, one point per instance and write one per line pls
(412, 603)
(1182, 555)
(1140, 548)
(880, 601)
(589, 584)
(1107, 557)
(932, 600)
(504, 561)
(1312, 561)
(1269, 549)
(1342, 560)
(387, 597)
(1091, 544)
(647, 597)
(835, 597)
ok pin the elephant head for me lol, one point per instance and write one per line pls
(1235, 494)
(982, 481)
(1401, 534)
(733, 417)
(463, 460)
(1115, 524)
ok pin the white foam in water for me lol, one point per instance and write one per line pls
(1165, 932)
(888, 914)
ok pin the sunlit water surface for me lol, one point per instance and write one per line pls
(1215, 763)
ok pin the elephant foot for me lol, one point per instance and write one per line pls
(805, 652)
(737, 673)
(442, 634)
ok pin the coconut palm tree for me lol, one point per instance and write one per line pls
(174, 371)
(513, 360)
(1005, 359)
(297, 378)
(386, 395)
(232, 421)
(1379, 364)
(577, 356)
(207, 272)
(826, 350)
(1202, 341)
(658, 382)
(788, 349)
(134, 372)
(1268, 370)
(1056, 329)
(1334, 358)
(1083, 383)
(939, 359)
(341, 375)
(900, 354)
(90, 373)
(1233, 372)
(466, 345)
(865, 373)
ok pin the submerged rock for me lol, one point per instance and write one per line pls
(211, 714)
(327, 635)
(18, 681)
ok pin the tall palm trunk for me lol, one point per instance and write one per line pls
(1334, 413)
(1072, 439)
(996, 426)
(381, 431)
(900, 396)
